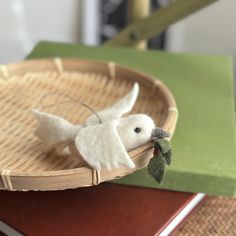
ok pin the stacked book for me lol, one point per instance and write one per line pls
(203, 146)
(106, 209)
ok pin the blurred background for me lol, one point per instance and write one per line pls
(23, 23)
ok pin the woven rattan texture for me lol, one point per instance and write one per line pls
(217, 217)
(23, 163)
(20, 95)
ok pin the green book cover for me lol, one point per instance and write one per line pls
(204, 157)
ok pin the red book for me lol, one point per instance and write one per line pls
(106, 209)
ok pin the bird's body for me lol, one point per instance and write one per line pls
(103, 142)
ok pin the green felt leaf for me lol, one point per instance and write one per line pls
(168, 156)
(162, 144)
(156, 168)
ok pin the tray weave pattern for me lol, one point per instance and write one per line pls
(23, 164)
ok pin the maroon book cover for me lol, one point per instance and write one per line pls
(106, 209)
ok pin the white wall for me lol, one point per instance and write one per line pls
(24, 22)
(209, 31)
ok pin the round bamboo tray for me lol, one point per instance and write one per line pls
(23, 164)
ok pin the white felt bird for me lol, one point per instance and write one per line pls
(105, 138)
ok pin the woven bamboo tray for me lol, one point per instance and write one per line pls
(23, 164)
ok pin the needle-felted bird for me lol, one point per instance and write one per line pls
(105, 137)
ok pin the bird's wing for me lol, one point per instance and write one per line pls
(116, 111)
(101, 146)
(53, 129)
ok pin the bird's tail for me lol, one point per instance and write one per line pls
(53, 129)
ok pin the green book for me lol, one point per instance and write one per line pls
(204, 157)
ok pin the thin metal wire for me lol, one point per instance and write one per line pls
(71, 100)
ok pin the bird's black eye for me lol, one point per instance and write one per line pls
(137, 130)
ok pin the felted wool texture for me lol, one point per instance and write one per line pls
(106, 145)
(101, 146)
(53, 130)
(127, 126)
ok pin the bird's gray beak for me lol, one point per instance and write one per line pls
(159, 133)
